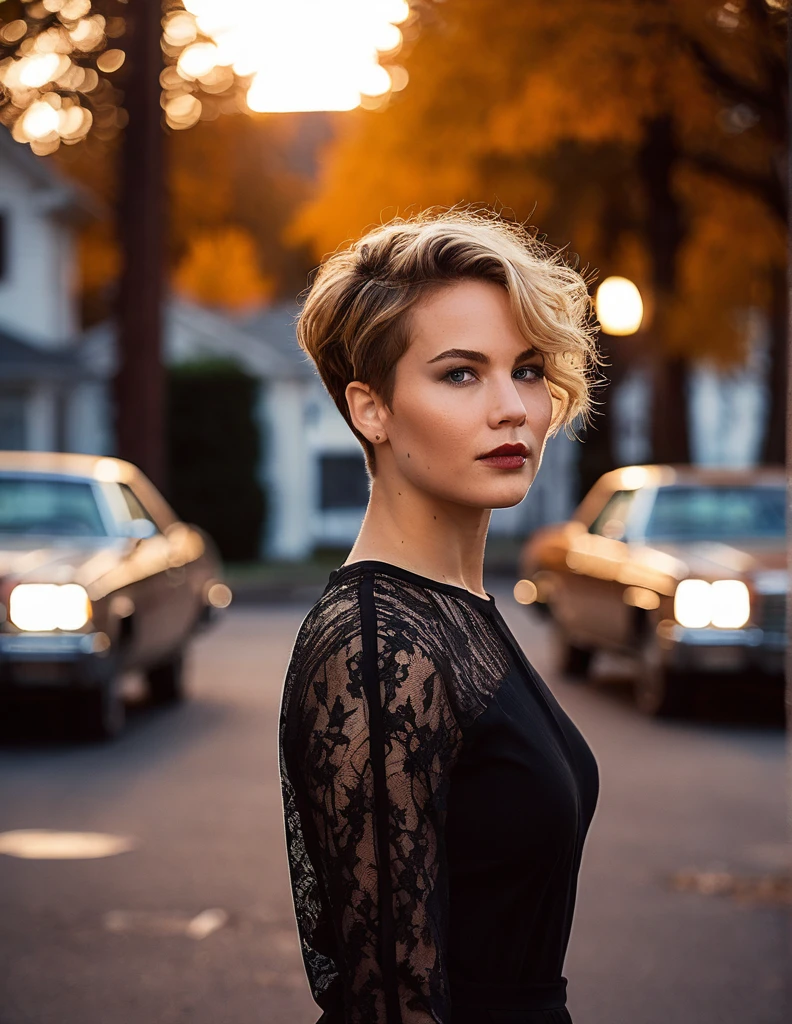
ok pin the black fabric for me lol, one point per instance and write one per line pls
(436, 801)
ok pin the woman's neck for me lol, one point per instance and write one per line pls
(438, 539)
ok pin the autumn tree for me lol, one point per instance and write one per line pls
(220, 269)
(229, 176)
(650, 136)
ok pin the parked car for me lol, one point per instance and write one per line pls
(97, 576)
(681, 567)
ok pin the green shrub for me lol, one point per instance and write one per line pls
(214, 451)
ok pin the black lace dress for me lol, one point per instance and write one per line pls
(436, 801)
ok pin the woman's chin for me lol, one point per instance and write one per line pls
(508, 501)
(504, 496)
(506, 493)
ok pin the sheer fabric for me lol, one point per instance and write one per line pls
(386, 681)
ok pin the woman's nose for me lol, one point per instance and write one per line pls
(507, 405)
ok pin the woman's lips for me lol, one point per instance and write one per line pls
(507, 456)
(504, 461)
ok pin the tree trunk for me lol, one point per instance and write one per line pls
(773, 447)
(788, 658)
(670, 435)
(598, 454)
(139, 382)
(665, 230)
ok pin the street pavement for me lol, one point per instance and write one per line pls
(127, 939)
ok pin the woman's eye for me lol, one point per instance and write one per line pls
(537, 370)
(457, 376)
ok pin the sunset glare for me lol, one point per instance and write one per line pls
(308, 55)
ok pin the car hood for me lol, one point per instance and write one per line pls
(67, 561)
(764, 564)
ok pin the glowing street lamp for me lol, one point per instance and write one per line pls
(619, 306)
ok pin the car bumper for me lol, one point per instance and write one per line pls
(53, 660)
(722, 650)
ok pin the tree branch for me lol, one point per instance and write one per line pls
(767, 187)
(769, 102)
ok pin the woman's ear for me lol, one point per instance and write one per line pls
(365, 411)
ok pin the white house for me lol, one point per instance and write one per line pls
(45, 389)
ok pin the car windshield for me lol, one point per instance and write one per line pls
(718, 513)
(61, 508)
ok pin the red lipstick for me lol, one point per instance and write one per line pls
(507, 456)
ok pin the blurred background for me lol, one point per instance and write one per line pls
(177, 484)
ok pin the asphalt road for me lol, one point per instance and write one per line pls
(117, 940)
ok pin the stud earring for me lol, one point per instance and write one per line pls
(378, 437)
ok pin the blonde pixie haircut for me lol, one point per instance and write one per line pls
(355, 322)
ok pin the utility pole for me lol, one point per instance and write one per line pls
(788, 659)
(139, 385)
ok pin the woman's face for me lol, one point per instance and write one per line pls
(468, 384)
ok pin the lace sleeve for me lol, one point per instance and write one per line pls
(379, 743)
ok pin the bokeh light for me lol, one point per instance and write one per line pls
(221, 56)
(197, 60)
(41, 119)
(40, 68)
(110, 60)
(44, 82)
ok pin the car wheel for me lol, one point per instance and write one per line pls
(571, 660)
(101, 712)
(659, 691)
(166, 681)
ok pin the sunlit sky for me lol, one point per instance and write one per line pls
(303, 55)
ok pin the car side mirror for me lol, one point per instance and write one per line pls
(139, 529)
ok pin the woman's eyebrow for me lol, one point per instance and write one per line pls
(477, 357)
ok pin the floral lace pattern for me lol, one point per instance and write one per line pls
(373, 933)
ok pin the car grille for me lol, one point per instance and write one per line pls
(773, 613)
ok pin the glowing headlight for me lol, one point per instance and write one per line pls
(724, 603)
(693, 603)
(41, 607)
(731, 604)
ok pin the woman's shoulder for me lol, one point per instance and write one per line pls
(398, 607)
(408, 615)
(418, 630)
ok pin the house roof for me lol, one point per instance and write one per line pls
(20, 360)
(276, 326)
(268, 350)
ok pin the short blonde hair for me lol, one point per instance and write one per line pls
(355, 321)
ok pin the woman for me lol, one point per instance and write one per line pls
(436, 796)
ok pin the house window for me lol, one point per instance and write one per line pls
(3, 245)
(343, 482)
(13, 417)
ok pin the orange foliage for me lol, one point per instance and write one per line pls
(733, 242)
(220, 269)
(541, 107)
(100, 258)
(200, 179)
